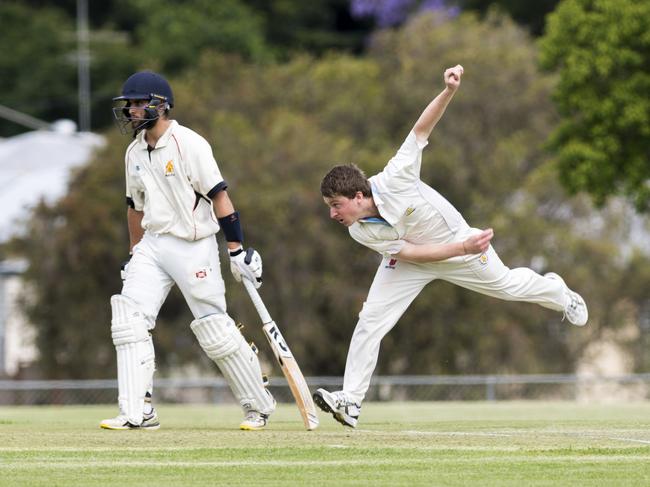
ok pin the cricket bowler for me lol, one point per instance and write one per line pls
(422, 237)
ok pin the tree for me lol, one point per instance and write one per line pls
(36, 71)
(295, 26)
(600, 50)
(276, 129)
(531, 15)
(173, 34)
(386, 13)
(40, 69)
(391, 13)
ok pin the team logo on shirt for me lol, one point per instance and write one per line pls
(483, 259)
(169, 168)
(391, 264)
(202, 274)
(409, 210)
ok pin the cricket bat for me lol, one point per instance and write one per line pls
(285, 358)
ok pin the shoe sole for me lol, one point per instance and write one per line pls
(584, 304)
(124, 428)
(251, 428)
(114, 428)
(325, 407)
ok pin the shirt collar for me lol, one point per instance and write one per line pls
(378, 203)
(373, 219)
(162, 141)
(376, 197)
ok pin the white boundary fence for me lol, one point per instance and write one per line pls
(383, 388)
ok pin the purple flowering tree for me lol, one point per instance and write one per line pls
(388, 13)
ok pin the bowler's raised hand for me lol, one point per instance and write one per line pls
(452, 77)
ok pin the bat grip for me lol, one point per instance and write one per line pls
(257, 301)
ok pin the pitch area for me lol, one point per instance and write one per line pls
(396, 444)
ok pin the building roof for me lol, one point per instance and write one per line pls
(37, 165)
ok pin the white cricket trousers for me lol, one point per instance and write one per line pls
(159, 261)
(396, 286)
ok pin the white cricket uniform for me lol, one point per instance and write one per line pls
(172, 184)
(411, 211)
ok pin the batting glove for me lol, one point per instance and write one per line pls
(246, 264)
(124, 268)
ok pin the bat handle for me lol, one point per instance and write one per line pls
(257, 301)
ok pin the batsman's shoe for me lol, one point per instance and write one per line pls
(150, 421)
(254, 421)
(344, 411)
(575, 308)
(120, 422)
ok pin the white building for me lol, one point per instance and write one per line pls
(34, 166)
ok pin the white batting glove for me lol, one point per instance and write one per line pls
(246, 264)
(124, 268)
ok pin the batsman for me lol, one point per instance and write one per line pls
(177, 201)
(422, 237)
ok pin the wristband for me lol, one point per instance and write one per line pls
(235, 252)
(231, 227)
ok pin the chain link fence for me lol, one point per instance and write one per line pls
(633, 387)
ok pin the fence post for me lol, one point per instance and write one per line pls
(490, 389)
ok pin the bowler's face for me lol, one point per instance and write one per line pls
(344, 210)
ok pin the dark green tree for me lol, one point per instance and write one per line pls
(40, 68)
(172, 34)
(37, 71)
(600, 50)
(531, 15)
(295, 26)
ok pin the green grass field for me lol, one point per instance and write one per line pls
(477, 443)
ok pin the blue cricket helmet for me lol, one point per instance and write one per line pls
(146, 85)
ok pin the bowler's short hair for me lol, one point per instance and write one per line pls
(345, 180)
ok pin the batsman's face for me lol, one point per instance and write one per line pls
(345, 210)
(136, 112)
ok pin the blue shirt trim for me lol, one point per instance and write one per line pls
(374, 219)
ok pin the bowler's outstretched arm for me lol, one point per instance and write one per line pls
(476, 244)
(434, 111)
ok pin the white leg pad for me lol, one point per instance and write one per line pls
(135, 356)
(225, 345)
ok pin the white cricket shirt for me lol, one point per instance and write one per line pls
(413, 211)
(171, 183)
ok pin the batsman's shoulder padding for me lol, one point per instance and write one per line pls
(128, 324)
(225, 345)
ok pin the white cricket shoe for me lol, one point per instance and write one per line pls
(254, 421)
(120, 422)
(344, 411)
(575, 308)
